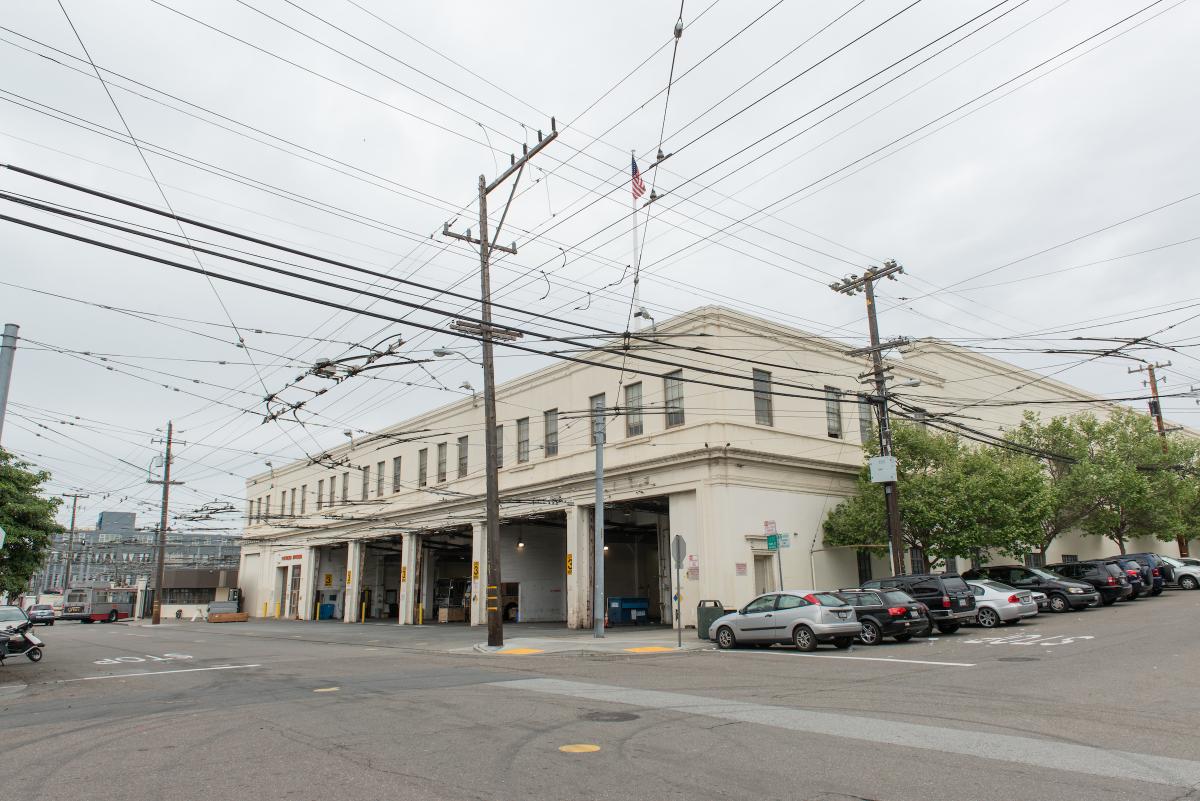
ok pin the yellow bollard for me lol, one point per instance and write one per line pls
(264, 609)
(277, 610)
(420, 615)
(362, 618)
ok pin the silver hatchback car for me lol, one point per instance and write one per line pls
(803, 618)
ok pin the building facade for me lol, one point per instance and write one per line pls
(714, 450)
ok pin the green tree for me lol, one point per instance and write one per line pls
(955, 500)
(1140, 490)
(27, 516)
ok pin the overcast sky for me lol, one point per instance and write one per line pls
(374, 135)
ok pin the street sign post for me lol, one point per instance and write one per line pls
(679, 552)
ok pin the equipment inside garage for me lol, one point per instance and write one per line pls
(380, 591)
(444, 580)
(637, 561)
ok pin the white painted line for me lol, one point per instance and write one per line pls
(1056, 755)
(156, 673)
(869, 659)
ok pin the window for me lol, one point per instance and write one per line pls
(833, 412)
(764, 604)
(633, 410)
(1034, 560)
(396, 474)
(303, 498)
(332, 489)
(345, 487)
(673, 397)
(292, 503)
(366, 485)
(422, 467)
(189, 595)
(379, 479)
(596, 422)
(951, 564)
(523, 439)
(462, 457)
(763, 413)
(1070, 558)
(499, 446)
(257, 509)
(441, 467)
(551, 419)
(282, 502)
(250, 511)
(866, 422)
(790, 602)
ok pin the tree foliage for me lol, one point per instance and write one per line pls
(27, 516)
(955, 500)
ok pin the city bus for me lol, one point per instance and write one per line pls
(107, 604)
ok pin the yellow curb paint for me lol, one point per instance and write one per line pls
(326, 690)
(521, 651)
(579, 748)
(651, 649)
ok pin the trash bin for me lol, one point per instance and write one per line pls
(325, 612)
(706, 613)
(628, 611)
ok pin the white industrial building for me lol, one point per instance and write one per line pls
(395, 530)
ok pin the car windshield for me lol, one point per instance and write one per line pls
(1171, 562)
(955, 584)
(897, 597)
(997, 586)
(8, 614)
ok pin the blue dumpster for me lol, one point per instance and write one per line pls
(628, 611)
(325, 612)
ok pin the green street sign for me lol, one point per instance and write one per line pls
(772, 542)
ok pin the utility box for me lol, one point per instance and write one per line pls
(325, 611)
(706, 614)
(628, 611)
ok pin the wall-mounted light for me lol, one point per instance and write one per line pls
(606, 548)
(521, 542)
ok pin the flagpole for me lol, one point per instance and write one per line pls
(633, 226)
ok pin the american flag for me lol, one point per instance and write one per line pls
(639, 186)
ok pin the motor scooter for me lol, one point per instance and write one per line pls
(20, 639)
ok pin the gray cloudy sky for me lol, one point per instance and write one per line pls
(375, 134)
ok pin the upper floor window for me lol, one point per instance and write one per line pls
(441, 474)
(396, 474)
(292, 503)
(550, 417)
(833, 412)
(422, 467)
(346, 487)
(379, 480)
(633, 410)
(462, 457)
(673, 397)
(523, 439)
(499, 446)
(303, 498)
(866, 422)
(366, 485)
(764, 414)
(320, 493)
(332, 489)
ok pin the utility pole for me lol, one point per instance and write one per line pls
(487, 334)
(1156, 413)
(8, 350)
(598, 608)
(161, 569)
(70, 540)
(866, 284)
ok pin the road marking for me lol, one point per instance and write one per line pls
(1044, 753)
(156, 673)
(871, 659)
(651, 649)
(579, 748)
(1029, 639)
(326, 689)
(521, 651)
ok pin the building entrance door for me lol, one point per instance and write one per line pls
(293, 608)
(764, 573)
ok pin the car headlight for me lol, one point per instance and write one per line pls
(1076, 590)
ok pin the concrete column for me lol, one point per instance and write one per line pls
(308, 573)
(410, 550)
(354, 577)
(478, 574)
(579, 552)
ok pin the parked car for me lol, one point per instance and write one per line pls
(1105, 575)
(1157, 567)
(1065, 594)
(1138, 576)
(41, 613)
(1183, 575)
(801, 617)
(1188, 560)
(997, 603)
(887, 613)
(1042, 601)
(949, 599)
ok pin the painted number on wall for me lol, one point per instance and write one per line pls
(570, 563)
(475, 570)
(347, 578)
(328, 579)
(404, 572)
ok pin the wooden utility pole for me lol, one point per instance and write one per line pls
(487, 334)
(1156, 412)
(866, 284)
(66, 585)
(161, 570)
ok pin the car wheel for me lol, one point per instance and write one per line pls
(725, 639)
(903, 637)
(112, 616)
(842, 643)
(987, 617)
(804, 638)
(948, 628)
(1188, 583)
(1059, 603)
(871, 634)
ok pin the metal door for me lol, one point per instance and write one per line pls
(293, 608)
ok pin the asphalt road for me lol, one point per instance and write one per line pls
(1102, 704)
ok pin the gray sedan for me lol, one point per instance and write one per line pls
(801, 617)
(999, 603)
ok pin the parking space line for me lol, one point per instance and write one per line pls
(862, 658)
(155, 673)
(1056, 755)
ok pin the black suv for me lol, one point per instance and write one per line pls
(1160, 571)
(1064, 594)
(1106, 575)
(886, 613)
(951, 602)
